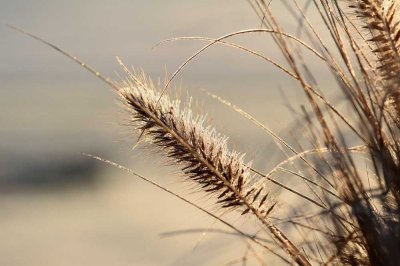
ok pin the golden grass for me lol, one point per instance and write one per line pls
(352, 193)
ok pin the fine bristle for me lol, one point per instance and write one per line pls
(200, 152)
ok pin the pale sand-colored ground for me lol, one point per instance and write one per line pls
(115, 219)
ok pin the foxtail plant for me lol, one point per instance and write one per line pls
(354, 191)
(200, 152)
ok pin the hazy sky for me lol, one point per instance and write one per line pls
(99, 30)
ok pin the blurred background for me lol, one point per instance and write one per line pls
(58, 207)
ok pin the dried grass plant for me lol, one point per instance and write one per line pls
(350, 174)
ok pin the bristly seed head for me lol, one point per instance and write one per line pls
(200, 152)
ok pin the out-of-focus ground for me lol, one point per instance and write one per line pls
(58, 207)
